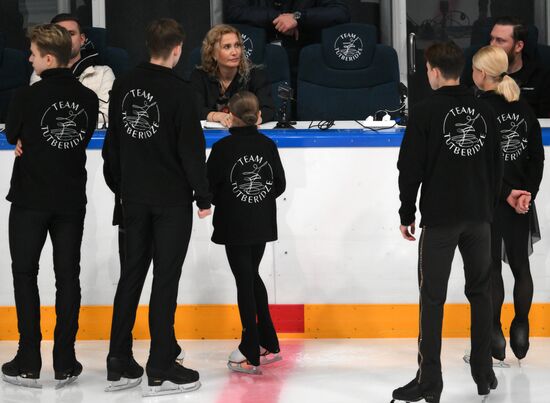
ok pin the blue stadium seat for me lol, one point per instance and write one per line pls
(348, 76)
(116, 58)
(272, 57)
(15, 71)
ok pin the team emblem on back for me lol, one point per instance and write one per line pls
(348, 47)
(513, 132)
(64, 124)
(464, 131)
(140, 114)
(251, 178)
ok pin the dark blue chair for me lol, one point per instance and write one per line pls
(15, 71)
(272, 57)
(116, 58)
(348, 76)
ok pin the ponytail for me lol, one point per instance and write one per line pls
(508, 88)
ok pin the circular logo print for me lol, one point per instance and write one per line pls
(465, 131)
(248, 45)
(140, 114)
(64, 124)
(348, 47)
(513, 135)
(251, 179)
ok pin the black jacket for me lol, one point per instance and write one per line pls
(521, 143)
(155, 146)
(534, 81)
(246, 176)
(207, 89)
(450, 147)
(316, 15)
(55, 120)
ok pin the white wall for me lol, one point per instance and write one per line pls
(338, 239)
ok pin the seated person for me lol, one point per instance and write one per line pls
(84, 65)
(224, 71)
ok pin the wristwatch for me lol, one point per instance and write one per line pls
(297, 15)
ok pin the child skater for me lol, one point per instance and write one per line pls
(514, 223)
(246, 176)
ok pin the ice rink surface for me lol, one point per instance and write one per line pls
(317, 371)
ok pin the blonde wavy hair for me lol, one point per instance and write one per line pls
(211, 40)
(494, 62)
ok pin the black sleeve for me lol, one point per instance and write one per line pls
(241, 12)
(411, 165)
(214, 172)
(92, 110)
(261, 87)
(278, 173)
(325, 13)
(14, 119)
(543, 107)
(201, 94)
(111, 144)
(191, 150)
(535, 161)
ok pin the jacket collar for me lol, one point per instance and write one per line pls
(58, 72)
(453, 90)
(244, 131)
(161, 69)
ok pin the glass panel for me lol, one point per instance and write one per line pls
(17, 16)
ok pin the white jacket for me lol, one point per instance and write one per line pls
(100, 80)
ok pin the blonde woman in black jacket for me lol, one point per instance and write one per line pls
(246, 176)
(515, 222)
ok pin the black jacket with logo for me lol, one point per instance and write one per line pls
(316, 15)
(155, 147)
(246, 176)
(521, 143)
(450, 147)
(55, 120)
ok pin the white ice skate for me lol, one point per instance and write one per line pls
(496, 363)
(267, 357)
(170, 388)
(122, 384)
(237, 362)
(22, 381)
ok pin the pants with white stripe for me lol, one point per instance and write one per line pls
(436, 251)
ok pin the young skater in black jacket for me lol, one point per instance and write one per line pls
(451, 148)
(156, 151)
(246, 176)
(514, 224)
(51, 123)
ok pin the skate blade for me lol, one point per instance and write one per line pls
(62, 383)
(270, 359)
(124, 383)
(25, 382)
(238, 367)
(500, 364)
(170, 388)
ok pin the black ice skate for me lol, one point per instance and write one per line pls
(123, 373)
(499, 363)
(430, 392)
(67, 377)
(239, 363)
(18, 373)
(486, 384)
(267, 357)
(519, 338)
(176, 379)
(498, 346)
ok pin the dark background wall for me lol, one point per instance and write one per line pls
(126, 21)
